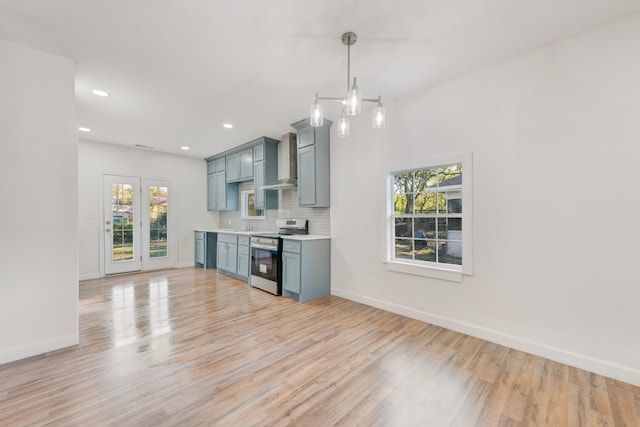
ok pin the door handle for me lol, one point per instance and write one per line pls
(108, 230)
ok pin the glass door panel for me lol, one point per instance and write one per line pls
(158, 224)
(122, 224)
(158, 199)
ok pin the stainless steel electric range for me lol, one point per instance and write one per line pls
(266, 254)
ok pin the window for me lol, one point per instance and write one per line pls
(429, 226)
(247, 206)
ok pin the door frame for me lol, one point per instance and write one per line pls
(172, 221)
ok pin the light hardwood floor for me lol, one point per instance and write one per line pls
(190, 347)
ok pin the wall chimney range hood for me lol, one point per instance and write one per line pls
(288, 167)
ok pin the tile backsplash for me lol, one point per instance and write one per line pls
(319, 222)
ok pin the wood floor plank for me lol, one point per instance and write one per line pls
(190, 347)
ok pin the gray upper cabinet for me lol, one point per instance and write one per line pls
(240, 166)
(265, 172)
(313, 164)
(255, 160)
(221, 196)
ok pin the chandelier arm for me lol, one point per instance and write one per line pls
(330, 98)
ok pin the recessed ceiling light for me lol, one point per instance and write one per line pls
(227, 126)
(99, 92)
(84, 129)
(184, 148)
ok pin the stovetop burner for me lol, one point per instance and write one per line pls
(286, 227)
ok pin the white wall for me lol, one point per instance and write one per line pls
(38, 181)
(556, 141)
(190, 175)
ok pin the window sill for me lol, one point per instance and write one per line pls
(424, 271)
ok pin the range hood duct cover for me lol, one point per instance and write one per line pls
(288, 168)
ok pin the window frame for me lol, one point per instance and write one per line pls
(450, 272)
(244, 206)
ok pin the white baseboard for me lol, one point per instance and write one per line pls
(588, 363)
(38, 348)
(185, 264)
(89, 276)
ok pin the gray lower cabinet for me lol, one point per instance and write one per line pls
(243, 257)
(234, 255)
(306, 268)
(206, 249)
(200, 247)
(313, 164)
(227, 259)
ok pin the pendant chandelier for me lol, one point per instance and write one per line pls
(351, 101)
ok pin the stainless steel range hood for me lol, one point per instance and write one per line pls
(288, 169)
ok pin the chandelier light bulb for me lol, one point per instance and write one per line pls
(343, 126)
(379, 116)
(354, 100)
(316, 113)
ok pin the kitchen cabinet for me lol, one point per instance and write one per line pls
(313, 164)
(306, 268)
(221, 196)
(200, 247)
(265, 172)
(243, 257)
(255, 160)
(227, 259)
(240, 165)
(206, 249)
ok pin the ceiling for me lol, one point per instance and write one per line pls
(177, 70)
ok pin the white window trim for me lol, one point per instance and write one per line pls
(244, 208)
(455, 273)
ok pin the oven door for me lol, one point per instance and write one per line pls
(264, 269)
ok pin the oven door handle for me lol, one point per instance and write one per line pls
(265, 247)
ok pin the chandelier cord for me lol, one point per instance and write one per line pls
(348, 65)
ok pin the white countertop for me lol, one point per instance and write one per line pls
(305, 237)
(227, 231)
(251, 233)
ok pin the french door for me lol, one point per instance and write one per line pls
(139, 224)
(158, 219)
(121, 224)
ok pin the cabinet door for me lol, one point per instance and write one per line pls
(232, 264)
(243, 265)
(307, 176)
(291, 272)
(246, 163)
(258, 152)
(200, 251)
(220, 190)
(233, 167)
(306, 136)
(258, 181)
(222, 260)
(219, 164)
(211, 192)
